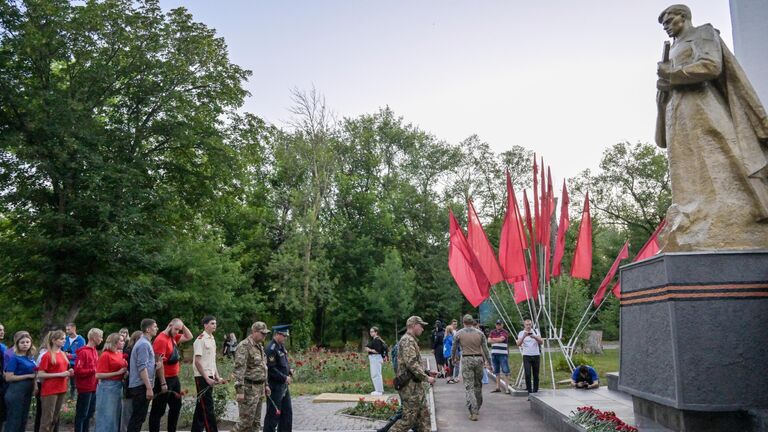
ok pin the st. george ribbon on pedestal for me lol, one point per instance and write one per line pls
(694, 319)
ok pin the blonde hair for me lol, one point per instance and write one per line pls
(111, 343)
(92, 333)
(53, 336)
(448, 330)
(18, 337)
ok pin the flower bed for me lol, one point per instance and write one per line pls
(378, 410)
(594, 420)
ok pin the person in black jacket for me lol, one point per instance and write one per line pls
(437, 346)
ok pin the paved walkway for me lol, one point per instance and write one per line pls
(500, 411)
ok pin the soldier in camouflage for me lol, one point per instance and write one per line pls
(251, 378)
(412, 396)
(474, 354)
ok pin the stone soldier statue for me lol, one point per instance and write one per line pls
(279, 412)
(251, 378)
(715, 131)
(412, 396)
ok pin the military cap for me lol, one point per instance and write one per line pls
(415, 320)
(259, 326)
(283, 329)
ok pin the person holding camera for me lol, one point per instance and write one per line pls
(530, 341)
(585, 377)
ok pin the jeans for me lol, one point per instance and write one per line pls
(84, 409)
(171, 399)
(109, 397)
(376, 362)
(140, 406)
(18, 398)
(51, 407)
(531, 366)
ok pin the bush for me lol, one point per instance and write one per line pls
(578, 359)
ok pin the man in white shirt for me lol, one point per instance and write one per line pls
(529, 341)
(206, 376)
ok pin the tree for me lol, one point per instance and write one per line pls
(112, 139)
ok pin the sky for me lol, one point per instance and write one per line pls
(565, 79)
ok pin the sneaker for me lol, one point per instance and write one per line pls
(375, 393)
(473, 417)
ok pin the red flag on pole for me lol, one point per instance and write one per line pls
(512, 241)
(534, 262)
(581, 268)
(523, 290)
(464, 267)
(562, 230)
(536, 213)
(649, 249)
(623, 254)
(481, 247)
(549, 203)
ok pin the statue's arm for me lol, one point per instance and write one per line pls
(708, 63)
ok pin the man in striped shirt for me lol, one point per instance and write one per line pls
(499, 338)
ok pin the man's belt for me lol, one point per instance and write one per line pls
(471, 355)
(251, 381)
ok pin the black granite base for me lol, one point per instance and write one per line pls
(694, 338)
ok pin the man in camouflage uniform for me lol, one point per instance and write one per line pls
(412, 396)
(251, 378)
(474, 354)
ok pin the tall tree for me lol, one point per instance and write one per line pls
(111, 116)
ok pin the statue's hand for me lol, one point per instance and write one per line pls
(663, 85)
(663, 69)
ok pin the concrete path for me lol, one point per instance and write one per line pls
(500, 412)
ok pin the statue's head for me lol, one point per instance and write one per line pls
(675, 19)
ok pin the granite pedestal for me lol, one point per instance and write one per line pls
(694, 339)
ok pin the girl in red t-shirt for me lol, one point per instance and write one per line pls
(110, 370)
(55, 371)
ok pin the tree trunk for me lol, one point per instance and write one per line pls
(594, 342)
(364, 339)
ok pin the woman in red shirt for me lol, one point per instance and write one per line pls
(55, 371)
(110, 370)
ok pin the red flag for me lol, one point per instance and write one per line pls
(623, 254)
(562, 230)
(481, 247)
(536, 213)
(581, 268)
(649, 249)
(523, 290)
(549, 204)
(512, 241)
(616, 290)
(464, 267)
(534, 262)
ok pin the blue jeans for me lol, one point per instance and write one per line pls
(86, 406)
(500, 363)
(109, 405)
(18, 398)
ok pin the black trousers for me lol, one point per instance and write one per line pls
(204, 417)
(281, 397)
(140, 406)
(170, 399)
(531, 366)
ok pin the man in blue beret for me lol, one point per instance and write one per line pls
(279, 413)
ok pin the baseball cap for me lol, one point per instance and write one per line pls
(498, 321)
(415, 320)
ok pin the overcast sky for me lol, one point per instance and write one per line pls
(566, 79)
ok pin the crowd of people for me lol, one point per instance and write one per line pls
(137, 375)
